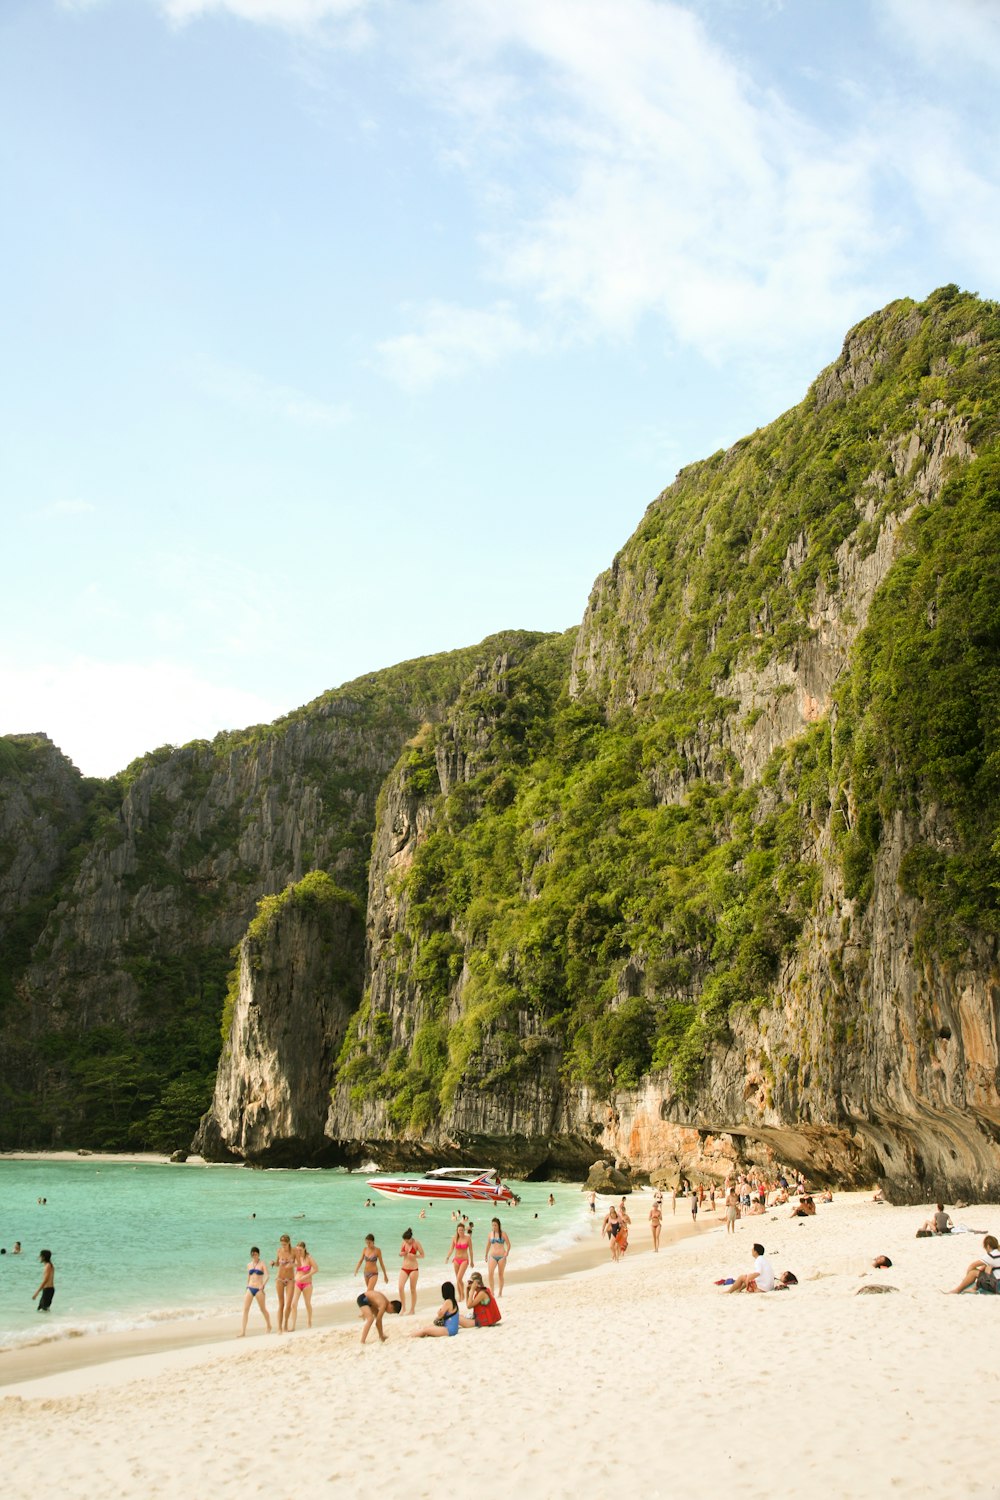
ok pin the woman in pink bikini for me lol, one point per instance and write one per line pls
(305, 1270)
(460, 1255)
(411, 1251)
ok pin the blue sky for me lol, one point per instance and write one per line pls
(337, 332)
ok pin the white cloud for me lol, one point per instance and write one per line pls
(671, 187)
(292, 15)
(103, 714)
(265, 398)
(452, 340)
(939, 34)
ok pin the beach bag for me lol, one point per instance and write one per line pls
(925, 1234)
(986, 1282)
(486, 1315)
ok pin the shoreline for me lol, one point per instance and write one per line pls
(645, 1363)
(52, 1366)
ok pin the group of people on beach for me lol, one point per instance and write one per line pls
(295, 1268)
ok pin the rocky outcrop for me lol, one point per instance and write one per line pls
(43, 799)
(300, 971)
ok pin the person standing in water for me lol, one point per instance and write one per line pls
(411, 1252)
(46, 1288)
(256, 1282)
(284, 1280)
(305, 1270)
(371, 1259)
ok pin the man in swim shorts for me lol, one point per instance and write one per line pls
(374, 1306)
(47, 1286)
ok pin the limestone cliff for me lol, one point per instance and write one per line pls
(715, 876)
(298, 978)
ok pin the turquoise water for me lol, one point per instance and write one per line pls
(134, 1244)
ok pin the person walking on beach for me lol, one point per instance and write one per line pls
(284, 1280)
(305, 1270)
(460, 1255)
(46, 1288)
(694, 1207)
(497, 1251)
(256, 1282)
(593, 1203)
(673, 1200)
(412, 1251)
(611, 1226)
(655, 1224)
(374, 1306)
(371, 1259)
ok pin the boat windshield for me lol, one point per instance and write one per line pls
(462, 1174)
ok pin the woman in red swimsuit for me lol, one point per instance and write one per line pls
(411, 1251)
(460, 1255)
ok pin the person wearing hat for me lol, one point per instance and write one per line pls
(481, 1303)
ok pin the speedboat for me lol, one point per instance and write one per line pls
(475, 1183)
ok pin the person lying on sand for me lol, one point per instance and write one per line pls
(760, 1279)
(939, 1222)
(988, 1266)
(374, 1305)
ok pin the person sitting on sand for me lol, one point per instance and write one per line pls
(877, 1196)
(760, 1279)
(939, 1222)
(481, 1303)
(756, 1207)
(805, 1209)
(826, 1196)
(988, 1266)
(374, 1305)
(256, 1282)
(445, 1325)
(780, 1198)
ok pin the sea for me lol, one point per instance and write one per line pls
(135, 1244)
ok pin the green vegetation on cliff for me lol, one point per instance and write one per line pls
(606, 882)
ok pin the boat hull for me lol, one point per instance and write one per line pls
(465, 1192)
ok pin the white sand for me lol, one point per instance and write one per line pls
(641, 1377)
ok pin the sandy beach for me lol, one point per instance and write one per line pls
(642, 1373)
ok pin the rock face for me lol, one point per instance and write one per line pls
(711, 880)
(299, 977)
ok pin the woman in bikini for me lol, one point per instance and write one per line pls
(371, 1259)
(256, 1281)
(497, 1251)
(445, 1325)
(305, 1270)
(655, 1223)
(411, 1251)
(460, 1255)
(284, 1280)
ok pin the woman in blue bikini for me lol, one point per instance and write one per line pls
(256, 1282)
(497, 1251)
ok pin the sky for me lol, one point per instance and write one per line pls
(338, 332)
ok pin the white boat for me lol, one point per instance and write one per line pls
(477, 1184)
